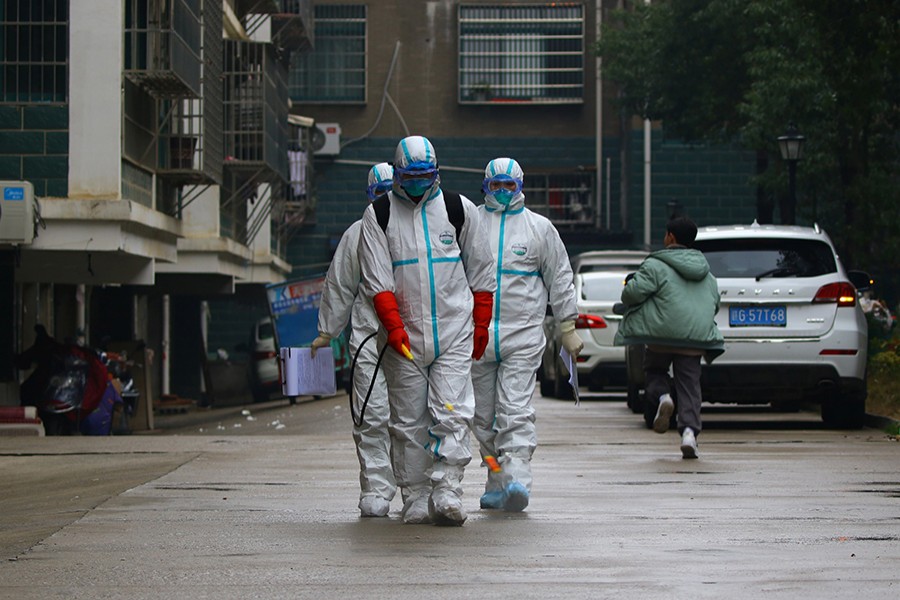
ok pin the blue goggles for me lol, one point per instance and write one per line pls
(379, 188)
(501, 182)
(416, 170)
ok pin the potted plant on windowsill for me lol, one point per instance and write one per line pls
(481, 91)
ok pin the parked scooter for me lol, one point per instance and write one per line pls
(70, 387)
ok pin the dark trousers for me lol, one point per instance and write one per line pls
(686, 370)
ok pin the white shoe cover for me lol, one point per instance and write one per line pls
(373, 506)
(446, 508)
(415, 510)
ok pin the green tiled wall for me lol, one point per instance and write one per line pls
(710, 184)
(34, 146)
(341, 186)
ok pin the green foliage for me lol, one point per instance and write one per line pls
(742, 70)
(884, 348)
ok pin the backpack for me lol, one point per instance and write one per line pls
(452, 201)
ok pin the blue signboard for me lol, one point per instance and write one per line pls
(294, 306)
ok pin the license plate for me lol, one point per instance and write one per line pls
(757, 316)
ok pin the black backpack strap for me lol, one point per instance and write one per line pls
(452, 201)
(382, 206)
(455, 212)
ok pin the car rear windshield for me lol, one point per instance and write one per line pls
(595, 267)
(604, 289)
(767, 257)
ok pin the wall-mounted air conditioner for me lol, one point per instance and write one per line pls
(326, 139)
(16, 212)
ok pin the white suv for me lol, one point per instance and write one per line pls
(794, 331)
(601, 364)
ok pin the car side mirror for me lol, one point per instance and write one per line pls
(619, 308)
(861, 280)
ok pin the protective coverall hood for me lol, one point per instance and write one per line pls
(381, 178)
(415, 155)
(503, 169)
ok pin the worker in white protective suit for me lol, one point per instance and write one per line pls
(531, 265)
(432, 286)
(341, 302)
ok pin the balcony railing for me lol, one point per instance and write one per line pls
(190, 148)
(255, 103)
(162, 46)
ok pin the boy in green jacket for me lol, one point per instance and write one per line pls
(672, 302)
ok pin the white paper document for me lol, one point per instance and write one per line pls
(305, 375)
(572, 366)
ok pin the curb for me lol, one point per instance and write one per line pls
(879, 422)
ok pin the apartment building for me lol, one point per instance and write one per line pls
(146, 154)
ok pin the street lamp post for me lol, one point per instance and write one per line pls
(791, 146)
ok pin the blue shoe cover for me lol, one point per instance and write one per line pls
(515, 497)
(492, 500)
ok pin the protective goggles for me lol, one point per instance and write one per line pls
(501, 182)
(416, 170)
(379, 188)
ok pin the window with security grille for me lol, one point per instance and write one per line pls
(34, 47)
(335, 71)
(525, 53)
(567, 198)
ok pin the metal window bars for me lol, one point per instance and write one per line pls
(567, 198)
(335, 72)
(521, 53)
(162, 46)
(34, 51)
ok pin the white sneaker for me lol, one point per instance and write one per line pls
(373, 506)
(688, 443)
(663, 414)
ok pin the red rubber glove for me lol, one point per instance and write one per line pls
(389, 315)
(481, 315)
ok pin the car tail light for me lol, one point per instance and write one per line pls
(263, 355)
(841, 293)
(589, 322)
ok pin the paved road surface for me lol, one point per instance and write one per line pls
(776, 507)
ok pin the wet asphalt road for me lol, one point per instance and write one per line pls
(263, 505)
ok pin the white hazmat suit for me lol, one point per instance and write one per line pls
(530, 264)
(341, 302)
(425, 283)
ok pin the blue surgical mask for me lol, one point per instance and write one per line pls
(504, 197)
(416, 187)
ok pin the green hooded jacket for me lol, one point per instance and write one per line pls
(672, 300)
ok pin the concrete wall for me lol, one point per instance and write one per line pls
(95, 83)
(423, 84)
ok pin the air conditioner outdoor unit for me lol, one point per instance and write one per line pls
(16, 212)
(326, 139)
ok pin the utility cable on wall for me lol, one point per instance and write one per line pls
(385, 97)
